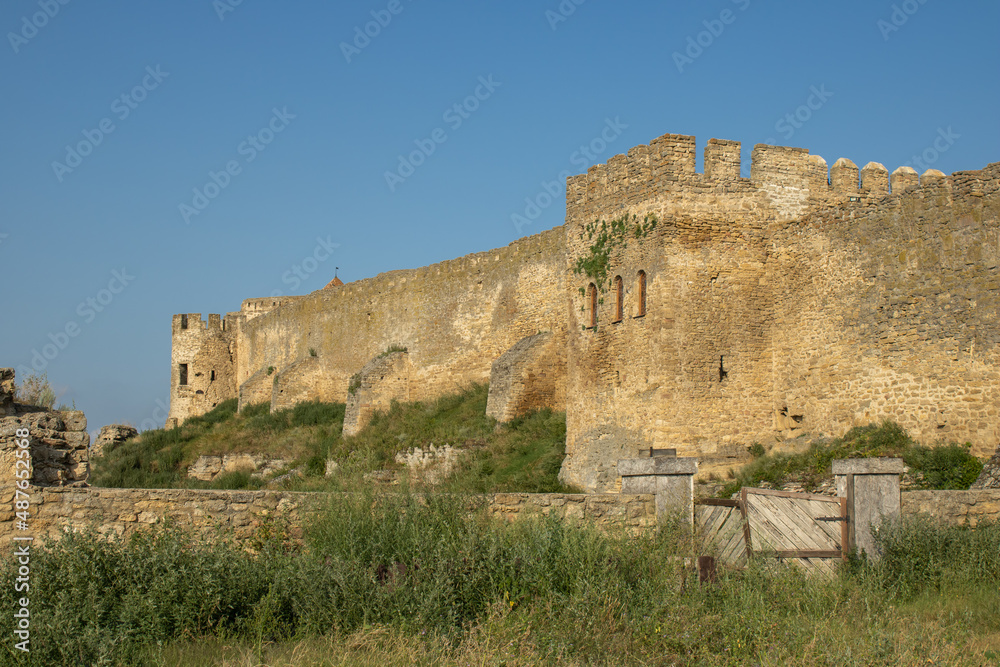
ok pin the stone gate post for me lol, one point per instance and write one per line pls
(871, 487)
(671, 479)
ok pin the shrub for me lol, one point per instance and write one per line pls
(943, 467)
(96, 600)
(35, 390)
(951, 467)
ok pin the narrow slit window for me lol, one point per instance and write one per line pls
(640, 289)
(182, 374)
(211, 377)
(184, 321)
(592, 300)
(619, 298)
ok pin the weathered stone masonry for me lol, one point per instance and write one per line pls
(801, 299)
(792, 301)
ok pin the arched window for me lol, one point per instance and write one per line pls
(640, 294)
(619, 299)
(592, 303)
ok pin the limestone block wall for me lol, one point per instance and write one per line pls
(259, 388)
(889, 311)
(529, 376)
(208, 467)
(683, 365)
(799, 299)
(384, 379)
(970, 507)
(125, 511)
(454, 317)
(110, 437)
(58, 445)
(304, 380)
(7, 389)
(202, 364)
(251, 308)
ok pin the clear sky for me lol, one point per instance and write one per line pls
(170, 157)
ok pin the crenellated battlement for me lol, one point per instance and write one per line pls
(251, 308)
(194, 322)
(791, 179)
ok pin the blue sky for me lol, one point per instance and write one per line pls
(160, 158)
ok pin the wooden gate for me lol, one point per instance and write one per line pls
(809, 528)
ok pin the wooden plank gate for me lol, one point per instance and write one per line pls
(810, 528)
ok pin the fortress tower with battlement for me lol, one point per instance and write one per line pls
(695, 311)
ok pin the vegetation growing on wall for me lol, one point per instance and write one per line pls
(939, 467)
(389, 350)
(605, 238)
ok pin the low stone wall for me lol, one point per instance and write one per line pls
(635, 510)
(956, 507)
(124, 511)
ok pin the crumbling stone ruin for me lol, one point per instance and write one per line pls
(989, 476)
(58, 441)
(695, 311)
(110, 437)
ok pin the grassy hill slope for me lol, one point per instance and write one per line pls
(524, 455)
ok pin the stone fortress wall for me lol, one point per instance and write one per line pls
(44, 459)
(801, 299)
(797, 300)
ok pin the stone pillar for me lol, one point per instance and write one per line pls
(670, 479)
(871, 487)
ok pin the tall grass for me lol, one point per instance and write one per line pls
(447, 584)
